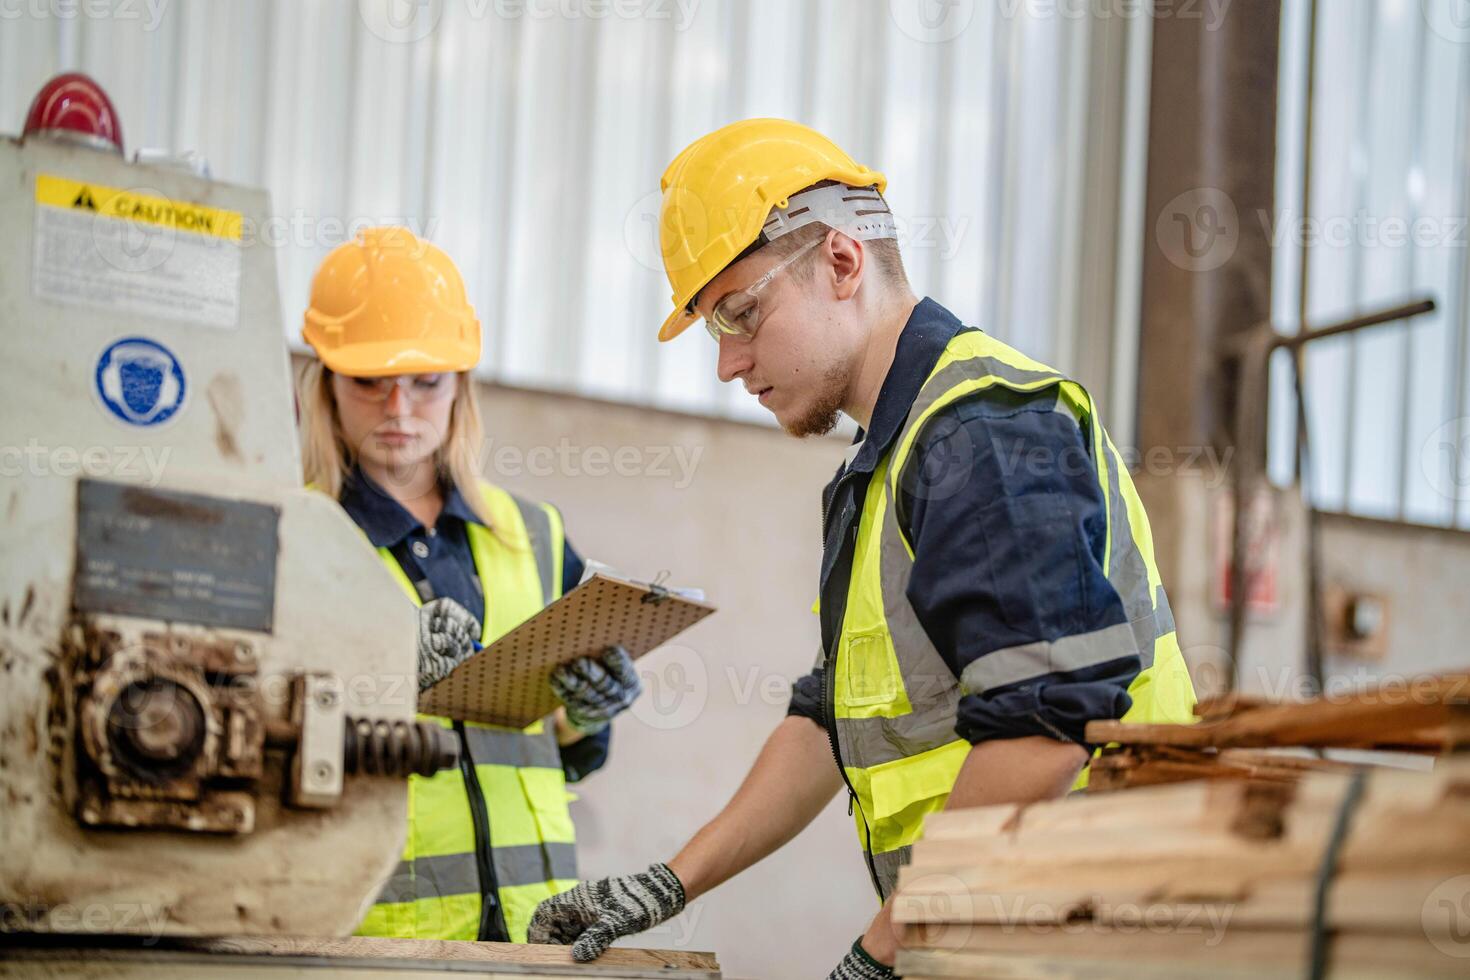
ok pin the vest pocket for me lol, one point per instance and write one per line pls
(868, 671)
(546, 796)
(903, 792)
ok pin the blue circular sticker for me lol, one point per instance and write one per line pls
(140, 381)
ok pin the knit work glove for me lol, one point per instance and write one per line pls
(595, 913)
(447, 638)
(594, 690)
(858, 965)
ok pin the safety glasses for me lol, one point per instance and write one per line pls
(739, 314)
(417, 388)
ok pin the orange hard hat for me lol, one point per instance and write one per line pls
(389, 303)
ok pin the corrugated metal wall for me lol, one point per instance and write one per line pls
(1390, 196)
(527, 138)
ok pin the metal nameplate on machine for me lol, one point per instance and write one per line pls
(180, 557)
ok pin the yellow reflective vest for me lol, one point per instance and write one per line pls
(892, 699)
(502, 815)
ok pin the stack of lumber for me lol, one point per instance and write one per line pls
(1214, 877)
(1241, 737)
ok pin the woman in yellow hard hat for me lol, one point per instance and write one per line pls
(391, 430)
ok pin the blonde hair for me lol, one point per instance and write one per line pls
(326, 458)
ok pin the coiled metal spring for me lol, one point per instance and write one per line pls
(398, 748)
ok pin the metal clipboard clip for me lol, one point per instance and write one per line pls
(657, 592)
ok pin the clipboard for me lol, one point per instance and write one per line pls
(508, 684)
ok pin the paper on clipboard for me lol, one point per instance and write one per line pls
(507, 682)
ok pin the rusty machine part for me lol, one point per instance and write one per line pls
(169, 731)
(173, 730)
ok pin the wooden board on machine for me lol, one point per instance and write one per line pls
(1199, 879)
(506, 683)
(350, 956)
(1240, 737)
(369, 947)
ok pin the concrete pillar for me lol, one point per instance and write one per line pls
(1211, 177)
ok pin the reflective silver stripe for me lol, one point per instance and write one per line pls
(1163, 612)
(456, 874)
(538, 529)
(530, 864)
(507, 747)
(1146, 608)
(1012, 665)
(887, 865)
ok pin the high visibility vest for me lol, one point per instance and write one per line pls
(435, 891)
(894, 699)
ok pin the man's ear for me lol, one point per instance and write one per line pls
(849, 262)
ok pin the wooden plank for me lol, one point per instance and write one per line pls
(1130, 766)
(1229, 704)
(1119, 884)
(1202, 808)
(369, 947)
(1388, 904)
(1150, 953)
(1188, 845)
(1421, 715)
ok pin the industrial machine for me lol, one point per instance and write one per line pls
(207, 679)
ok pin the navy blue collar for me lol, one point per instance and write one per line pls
(928, 332)
(384, 520)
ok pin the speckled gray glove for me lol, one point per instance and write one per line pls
(858, 965)
(595, 913)
(595, 690)
(448, 635)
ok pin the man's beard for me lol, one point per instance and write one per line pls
(821, 417)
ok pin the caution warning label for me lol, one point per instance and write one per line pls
(136, 251)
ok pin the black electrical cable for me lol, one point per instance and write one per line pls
(1327, 873)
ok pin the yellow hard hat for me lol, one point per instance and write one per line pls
(719, 190)
(388, 303)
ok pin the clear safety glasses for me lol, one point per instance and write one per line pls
(739, 313)
(417, 388)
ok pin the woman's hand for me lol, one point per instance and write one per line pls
(447, 638)
(594, 690)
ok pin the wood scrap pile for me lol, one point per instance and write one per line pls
(1258, 862)
(1243, 738)
(1201, 879)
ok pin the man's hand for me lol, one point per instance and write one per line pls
(595, 913)
(785, 789)
(595, 690)
(447, 638)
(858, 965)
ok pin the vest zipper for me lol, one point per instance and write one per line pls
(830, 704)
(852, 800)
(492, 916)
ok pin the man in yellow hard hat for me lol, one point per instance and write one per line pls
(988, 584)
